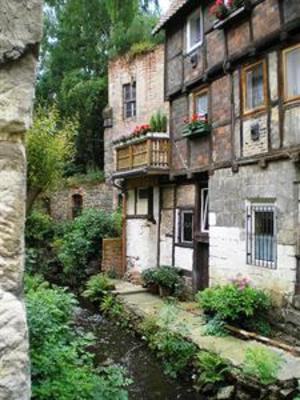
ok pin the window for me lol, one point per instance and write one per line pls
(204, 210)
(292, 73)
(76, 205)
(140, 202)
(194, 30)
(254, 87)
(261, 236)
(129, 100)
(185, 226)
(201, 102)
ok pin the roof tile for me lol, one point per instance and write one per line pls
(175, 6)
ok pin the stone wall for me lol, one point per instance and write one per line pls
(229, 194)
(98, 196)
(20, 33)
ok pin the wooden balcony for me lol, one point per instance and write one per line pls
(145, 155)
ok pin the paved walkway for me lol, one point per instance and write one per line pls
(233, 349)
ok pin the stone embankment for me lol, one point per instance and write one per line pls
(141, 304)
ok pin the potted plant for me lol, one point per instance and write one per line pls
(150, 280)
(158, 122)
(197, 125)
(169, 280)
(222, 8)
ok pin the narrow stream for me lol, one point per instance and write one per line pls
(117, 345)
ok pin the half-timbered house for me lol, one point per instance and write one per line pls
(234, 201)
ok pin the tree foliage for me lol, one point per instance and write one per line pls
(49, 148)
(80, 36)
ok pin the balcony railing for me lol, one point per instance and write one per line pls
(150, 152)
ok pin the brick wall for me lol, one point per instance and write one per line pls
(98, 196)
(148, 72)
(112, 256)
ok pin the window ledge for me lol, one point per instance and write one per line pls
(185, 245)
(233, 17)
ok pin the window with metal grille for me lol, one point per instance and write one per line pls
(129, 100)
(261, 236)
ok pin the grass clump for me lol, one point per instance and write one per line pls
(212, 368)
(263, 364)
(92, 177)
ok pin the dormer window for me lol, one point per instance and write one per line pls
(194, 30)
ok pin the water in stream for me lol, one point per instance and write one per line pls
(122, 347)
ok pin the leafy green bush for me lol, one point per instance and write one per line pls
(40, 234)
(169, 277)
(97, 286)
(234, 302)
(149, 276)
(61, 367)
(158, 122)
(263, 364)
(175, 351)
(81, 244)
(212, 368)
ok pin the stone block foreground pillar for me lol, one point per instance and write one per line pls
(20, 34)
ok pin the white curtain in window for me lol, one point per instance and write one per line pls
(293, 72)
(202, 104)
(255, 87)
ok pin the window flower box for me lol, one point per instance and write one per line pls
(229, 12)
(196, 126)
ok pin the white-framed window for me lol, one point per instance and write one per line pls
(185, 228)
(129, 100)
(194, 30)
(261, 235)
(291, 67)
(204, 224)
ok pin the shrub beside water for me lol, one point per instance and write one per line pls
(237, 302)
(61, 366)
(97, 287)
(81, 244)
(212, 368)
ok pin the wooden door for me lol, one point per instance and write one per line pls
(201, 237)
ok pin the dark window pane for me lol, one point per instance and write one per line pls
(187, 227)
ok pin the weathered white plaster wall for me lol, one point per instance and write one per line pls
(141, 239)
(184, 258)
